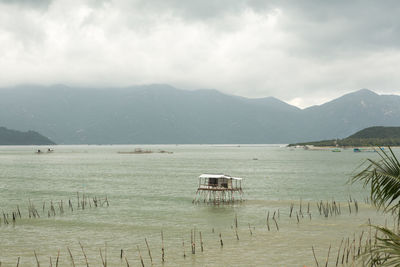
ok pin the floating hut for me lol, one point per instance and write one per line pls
(216, 188)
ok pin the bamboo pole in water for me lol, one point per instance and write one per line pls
(183, 245)
(102, 259)
(84, 254)
(148, 249)
(58, 257)
(162, 247)
(191, 241)
(201, 242)
(140, 256)
(194, 240)
(276, 224)
(72, 258)
(327, 258)
(359, 244)
(316, 261)
(37, 260)
(337, 258)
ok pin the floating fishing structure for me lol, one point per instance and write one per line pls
(217, 188)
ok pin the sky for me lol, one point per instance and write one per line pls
(301, 51)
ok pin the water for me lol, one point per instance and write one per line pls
(153, 192)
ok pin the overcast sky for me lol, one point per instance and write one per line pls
(302, 52)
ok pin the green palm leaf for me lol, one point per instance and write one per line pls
(383, 177)
(386, 252)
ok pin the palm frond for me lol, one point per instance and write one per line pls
(383, 177)
(386, 252)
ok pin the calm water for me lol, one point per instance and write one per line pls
(153, 192)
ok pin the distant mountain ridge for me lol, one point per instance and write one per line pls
(12, 137)
(161, 114)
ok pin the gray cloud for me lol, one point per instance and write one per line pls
(29, 3)
(304, 52)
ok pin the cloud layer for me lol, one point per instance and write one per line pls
(304, 52)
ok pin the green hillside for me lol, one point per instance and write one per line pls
(13, 137)
(377, 132)
(372, 136)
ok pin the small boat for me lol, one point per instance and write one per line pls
(356, 149)
(336, 150)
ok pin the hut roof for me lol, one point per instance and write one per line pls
(219, 176)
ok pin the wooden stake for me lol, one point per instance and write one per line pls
(37, 261)
(148, 249)
(291, 209)
(162, 247)
(140, 256)
(201, 242)
(337, 258)
(276, 224)
(102, 259)
(183, 245)
(327, 258)
(84, 254)
(72, 258)
(316, 261)
(58, 257)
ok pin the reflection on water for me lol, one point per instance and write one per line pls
(153, 192)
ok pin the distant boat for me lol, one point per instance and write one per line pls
(364, 150)
(336, 150)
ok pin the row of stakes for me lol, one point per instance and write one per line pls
(83, 202)
(362, 251)
(349, 253)
(323, 208)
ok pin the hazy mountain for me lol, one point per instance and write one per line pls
(350, 113)
(163, 114)
(12, 137)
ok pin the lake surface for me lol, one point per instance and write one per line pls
(150, 193)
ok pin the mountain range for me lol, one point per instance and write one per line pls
(161, 114)
(11, 137)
